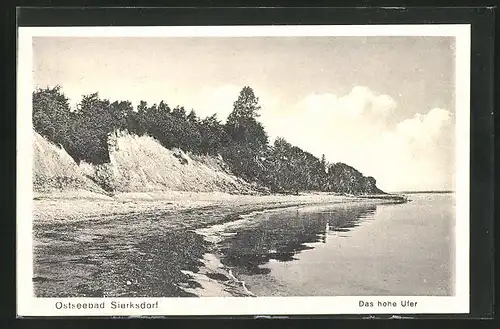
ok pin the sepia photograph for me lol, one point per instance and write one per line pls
(235, 166)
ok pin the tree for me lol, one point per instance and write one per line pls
(323, 163)
(120, 112)
(192, 118)
(213, 135)
(179, 112)
(142, 107)
(97, 113)
(52, 114)
(141, 119)
(246, 149)
(163, 107)
(242, 125)
(94, 120)
(246, 106)
(83, 133)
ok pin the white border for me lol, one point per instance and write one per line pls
(28, 305)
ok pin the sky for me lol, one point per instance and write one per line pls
(384, 105)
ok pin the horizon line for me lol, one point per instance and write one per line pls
(425, 191)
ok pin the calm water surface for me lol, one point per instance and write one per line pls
(392, 249)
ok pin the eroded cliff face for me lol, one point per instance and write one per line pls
(142, 164)
(55, 170)
(137, 164)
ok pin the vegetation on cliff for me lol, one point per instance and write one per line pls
(86, 133)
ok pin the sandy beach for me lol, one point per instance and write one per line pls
(84, 205)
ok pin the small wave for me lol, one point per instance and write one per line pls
(231, 275)
(217, 275)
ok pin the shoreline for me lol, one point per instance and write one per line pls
(120, 246)
(82, 205)
(232, 282)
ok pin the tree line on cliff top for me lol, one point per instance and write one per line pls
(241, 141)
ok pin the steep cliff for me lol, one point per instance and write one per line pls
(54, 169)
(141, 164)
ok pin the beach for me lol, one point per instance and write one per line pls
(146, 244)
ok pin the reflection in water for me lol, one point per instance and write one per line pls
(280, 236)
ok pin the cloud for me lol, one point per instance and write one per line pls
(415, 153)
(359, 101)
(425, 127)
(421, 152)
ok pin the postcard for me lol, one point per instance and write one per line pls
(243, 170)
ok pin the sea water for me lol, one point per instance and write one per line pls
(391, 249)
